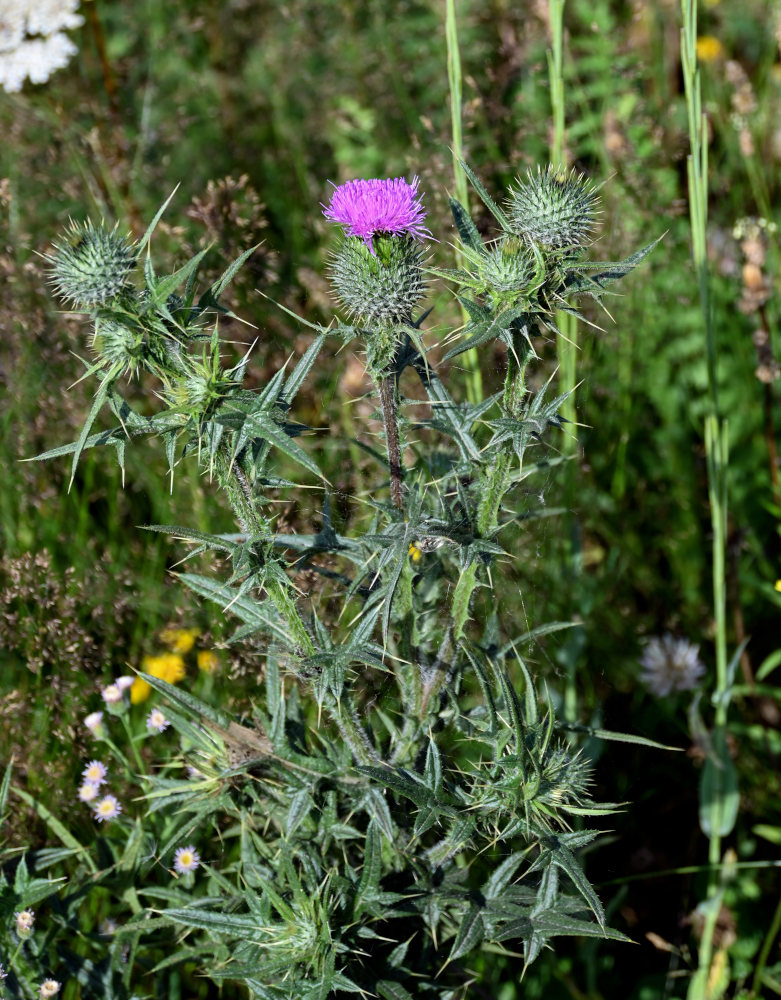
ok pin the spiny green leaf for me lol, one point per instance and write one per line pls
(471, 932)
(487, 200)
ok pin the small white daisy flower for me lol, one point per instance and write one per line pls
(670, 664)
(112, 695)
(156, 720)
(49, 988)
(24, 922)
(88, 792)
(186, 859)
(94, 722)
(95, 773)
(125, 682)
(107, 808)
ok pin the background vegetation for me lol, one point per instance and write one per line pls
(251, 108)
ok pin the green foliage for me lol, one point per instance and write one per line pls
(251, 91)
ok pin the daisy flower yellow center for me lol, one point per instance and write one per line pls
(107, 808)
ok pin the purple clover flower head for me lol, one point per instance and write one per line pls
(367, 208)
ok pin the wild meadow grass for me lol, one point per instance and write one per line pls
(405, 592)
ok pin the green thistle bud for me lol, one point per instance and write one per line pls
(380, 287)
(91, 266)
(114, 342)
(553, 208)
(200, 387)
(509, 267)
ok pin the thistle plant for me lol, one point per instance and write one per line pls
(400, 796)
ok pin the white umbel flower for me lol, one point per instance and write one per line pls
(670, 664)
(32, 43)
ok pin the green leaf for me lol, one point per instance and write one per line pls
(190, 705)
(501, 876)
(231, 925)
(402, 782)
(230, 273)
(605, 734)
(433, 768)
(303, 367)
(467, 230)
(393, 991)
(6, 784)
(487, 200)
(552, 923)
(563, 858)
(768, 665)
(470, 933)
(719, 794)
(161, 289)
(58, 829)
(97, 404)
(158, 216)
(369, 884)
(300, 806)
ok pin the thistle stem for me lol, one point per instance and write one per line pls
(386, 386)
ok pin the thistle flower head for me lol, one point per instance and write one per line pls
(91, 265)
(670, 664)
(379, 286)
(369, 208)
(553, 208)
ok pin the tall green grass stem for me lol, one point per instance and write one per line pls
(716, 447)
(474, 384)
(567, 328)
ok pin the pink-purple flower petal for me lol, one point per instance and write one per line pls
(368, 207)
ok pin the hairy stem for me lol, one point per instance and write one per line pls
(386, 385)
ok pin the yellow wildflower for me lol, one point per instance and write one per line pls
(180, 640)
(168, 667)
(207, 660)
(709, 48)
(414, 552)
(778, 586)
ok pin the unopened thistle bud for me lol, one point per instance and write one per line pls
(378, 270)
(199, 387)
(553, 208)
(509, 267)
(91, 266)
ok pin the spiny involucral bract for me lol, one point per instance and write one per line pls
(199, 388)
(553, 208)
(116, 342)
(510, 272)
(91, 266)
(380, 287)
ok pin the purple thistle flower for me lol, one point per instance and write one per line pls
(367, 208)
